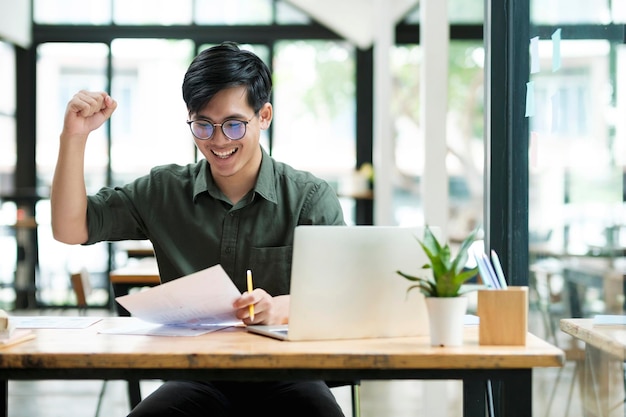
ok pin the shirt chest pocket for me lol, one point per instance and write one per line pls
(272, 268)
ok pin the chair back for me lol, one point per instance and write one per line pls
(81, 285)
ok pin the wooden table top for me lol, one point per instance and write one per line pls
(234, 348)
(608, 338)
(145, 272)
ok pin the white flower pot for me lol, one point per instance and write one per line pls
(446, 318)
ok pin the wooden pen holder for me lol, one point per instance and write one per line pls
(503, 316)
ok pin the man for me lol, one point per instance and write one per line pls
(237, 207)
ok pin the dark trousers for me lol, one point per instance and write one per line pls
(239, 399)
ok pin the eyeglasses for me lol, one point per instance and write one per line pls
(233, 129)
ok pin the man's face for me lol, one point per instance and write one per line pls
(229, 158)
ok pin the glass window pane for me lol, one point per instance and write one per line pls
(8, 154)
(459, 12)
(93, 12)
(7, 79)
(62, 70)
(314, 101)
(578, 146)
(143, 12)
(8, 249)
(466, 11)
(619, 11)
(287, 14)
(150, 119)
(464, 162)
(233, 12)
(569, 12)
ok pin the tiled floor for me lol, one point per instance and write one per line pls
(378, 398)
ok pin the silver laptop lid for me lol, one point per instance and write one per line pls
(344, 283)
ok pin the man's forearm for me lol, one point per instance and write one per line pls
(68, 195)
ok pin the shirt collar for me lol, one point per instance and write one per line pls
(265, 185)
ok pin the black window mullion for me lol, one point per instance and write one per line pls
(506, 146)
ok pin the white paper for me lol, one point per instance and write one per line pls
(139, 327)
(204, 297)
(53, 322)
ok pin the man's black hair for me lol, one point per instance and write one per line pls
(224, 66)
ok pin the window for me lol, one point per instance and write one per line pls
(153, 12)
(315, 132)
(95, 12)
(577, 155)
(576, 152)
(151, 114)
(62, 70)
(8, 209)
(7, 117)
(233, 12)
(465, 135)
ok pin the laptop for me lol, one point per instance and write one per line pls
(344, 284)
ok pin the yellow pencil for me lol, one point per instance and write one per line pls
(250, 288)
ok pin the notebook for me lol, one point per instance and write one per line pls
(344, 284)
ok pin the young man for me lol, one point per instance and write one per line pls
(237, 207)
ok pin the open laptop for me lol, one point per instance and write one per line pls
(344, 284)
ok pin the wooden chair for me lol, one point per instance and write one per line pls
(81, 285)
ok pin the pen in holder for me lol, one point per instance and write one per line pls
(503, 316)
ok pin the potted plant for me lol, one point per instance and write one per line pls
(443, 287)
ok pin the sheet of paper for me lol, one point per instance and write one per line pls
(140, 327)
(53, 322)
(17, 336)
(204, 297)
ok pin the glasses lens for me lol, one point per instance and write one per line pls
(234, 129)
(202, 130)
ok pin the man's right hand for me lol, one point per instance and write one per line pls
(86, 112)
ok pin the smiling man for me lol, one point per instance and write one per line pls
(237, 207)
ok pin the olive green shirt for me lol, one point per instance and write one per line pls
(192, 225)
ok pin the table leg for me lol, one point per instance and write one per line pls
(474, 397)
(603, 384)
(4, 402)
(512, 393)
(118, 291)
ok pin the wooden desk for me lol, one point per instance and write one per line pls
(234, 354)
(136, 249)
(607, 275)
(605, 353)
(144, 273)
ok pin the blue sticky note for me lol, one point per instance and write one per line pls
(556, 50)
(534, 55)
(530, 99)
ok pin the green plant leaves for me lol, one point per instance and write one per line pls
(448, 275)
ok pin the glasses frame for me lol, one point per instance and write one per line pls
(221, 126)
